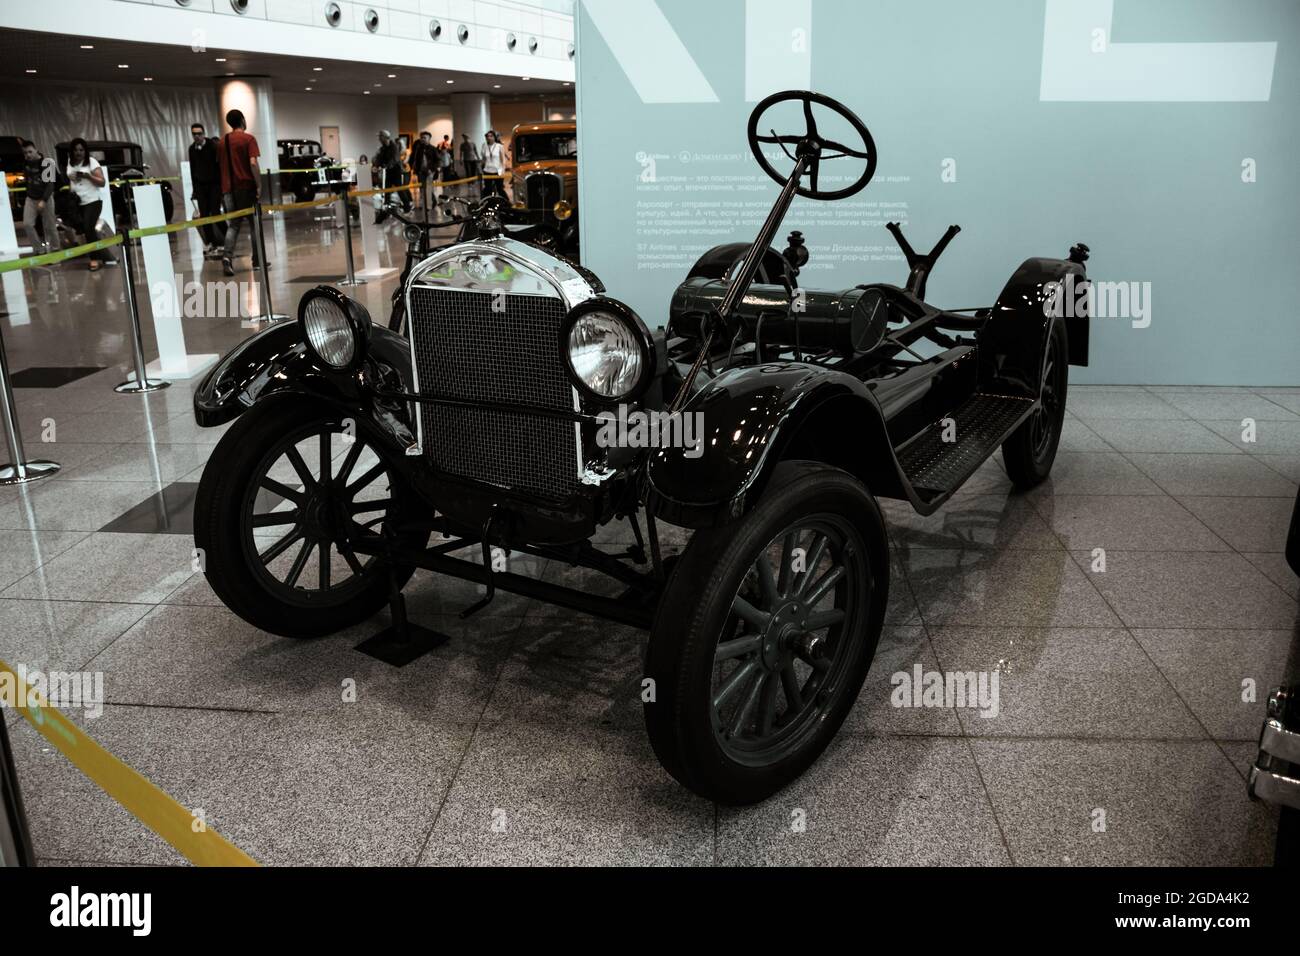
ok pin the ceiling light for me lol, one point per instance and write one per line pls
(148, 79)
(525, 78)
(221, 59)
(317, 69)
(451, 81)
(496, 86)
(307, 88)
(566, 83)
(365, 92)
(31, 71)
(378, 85)
(123, 66)
(88, 46)
(392, 76)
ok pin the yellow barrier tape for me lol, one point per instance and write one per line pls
(191, 224)
(113, 182)
(281, 207)
(49, 258)
(433, 183)
(146, 802)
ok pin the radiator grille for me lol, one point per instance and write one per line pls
(543, 190)
(468, 350)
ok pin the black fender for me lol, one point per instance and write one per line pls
(277, 363)
(715, 263)
(754, 418)
(1011, 343)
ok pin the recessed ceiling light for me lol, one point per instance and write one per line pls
(431, 89)
(123, 66)
(451, 81)
(317, 69)
(378, 85)
(221, 59)
(392, 76)
(365, 92)
(31, 71)
(525, 78)
(148, 79)
(496, 86)
(566, 84)
(88, 46)
(307, 88)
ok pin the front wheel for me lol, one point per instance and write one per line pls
(281, 494)
(765, 633)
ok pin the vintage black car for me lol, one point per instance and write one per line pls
(12, 164)
(122, 161)
(527, 410)
(305, 170)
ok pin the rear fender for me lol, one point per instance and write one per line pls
(1011, 344)
(752, 419)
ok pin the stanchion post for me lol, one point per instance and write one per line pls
(141, 382)
(351, 278)
(19, 470)
(260, 242)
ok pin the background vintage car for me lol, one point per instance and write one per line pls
(11, 164)
(121, 160)
(544, 174)
(304, 168)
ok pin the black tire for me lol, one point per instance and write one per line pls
(697, 623)
(1030, 451)
(227, 498)
(304, 191)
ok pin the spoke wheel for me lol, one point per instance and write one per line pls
(764, 634)
(782, 650)
(283, 493)
(1030, 451)
(312, 491)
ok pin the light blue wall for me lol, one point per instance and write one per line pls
(1155, 188)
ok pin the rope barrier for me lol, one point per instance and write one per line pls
(284, 206)
(48, 258)
(148, 803)
(113, 182)
(188, 224)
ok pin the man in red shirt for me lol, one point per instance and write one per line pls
(240, 178)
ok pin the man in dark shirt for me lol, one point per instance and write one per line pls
(424, 163)
(39, 176)
(387, 168)
(240, 177)
(205, 175)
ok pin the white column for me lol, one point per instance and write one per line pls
(470, 113)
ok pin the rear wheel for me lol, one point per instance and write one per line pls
(765, 633)
(1030, 451)
(278, 498)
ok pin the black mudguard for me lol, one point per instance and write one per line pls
(1011, 344)
(276, 362)
(754, 418)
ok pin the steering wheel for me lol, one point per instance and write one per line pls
(812, 145)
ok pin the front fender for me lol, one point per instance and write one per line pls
(276, 361)
(751, 419)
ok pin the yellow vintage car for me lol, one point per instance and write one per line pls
(544, 177)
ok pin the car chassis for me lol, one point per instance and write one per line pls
(814, 403)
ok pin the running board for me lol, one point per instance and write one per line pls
(949, 451)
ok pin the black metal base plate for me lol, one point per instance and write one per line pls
(387, 645)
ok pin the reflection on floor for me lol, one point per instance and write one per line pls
(1122, 691)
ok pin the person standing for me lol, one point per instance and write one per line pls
(205, 174)
(446, 153)
(423, 161)
(38, 175)
(494, 164)
(387, 167)
(240, 184)
(468, 157)
(86, 179)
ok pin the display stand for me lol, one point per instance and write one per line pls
(187, 203)
(369, 231)
(15, 286)
(18, 470)
(160, 279)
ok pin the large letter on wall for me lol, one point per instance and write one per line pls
(1080, 63)
(650, 52)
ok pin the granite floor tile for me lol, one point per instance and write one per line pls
(1247, 524)
(132, 568)
(1235, 475)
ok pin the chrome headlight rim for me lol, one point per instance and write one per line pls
(353, 314)
(639, 333)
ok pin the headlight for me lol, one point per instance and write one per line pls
(562, 209)
(335, 327)
(608, 350)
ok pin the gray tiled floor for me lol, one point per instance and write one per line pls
(1136, 608)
